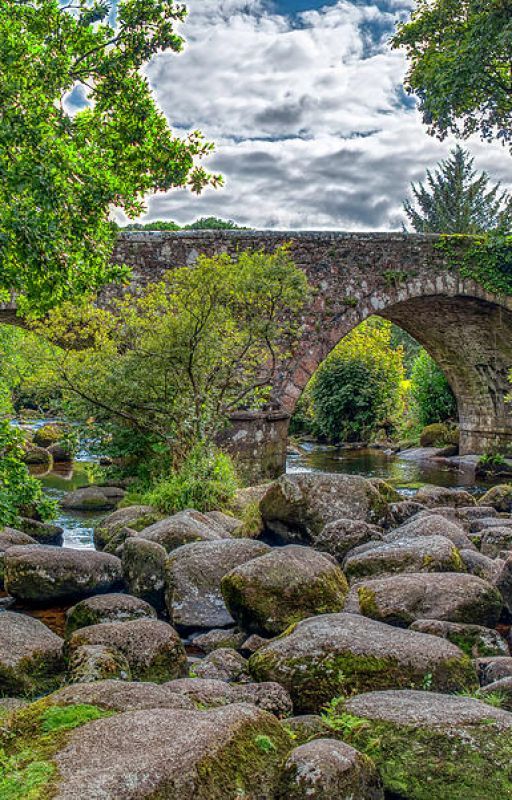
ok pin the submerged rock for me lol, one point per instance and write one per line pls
(428, 745)
(42, 575)
(31, 660)
(271, 592)
(152, 648)
(342, 654)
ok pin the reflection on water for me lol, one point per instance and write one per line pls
(404, 474)
(78, 526)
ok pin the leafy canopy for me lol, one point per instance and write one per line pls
(432, 397)
(161, 371)
(62, 169)
(460, 66)
(455, 199)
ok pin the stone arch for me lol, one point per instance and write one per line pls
(464, 328)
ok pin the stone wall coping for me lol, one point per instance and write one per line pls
(141, 236)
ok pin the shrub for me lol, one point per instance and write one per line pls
(206, 481)
(431, 395)
(357, 389)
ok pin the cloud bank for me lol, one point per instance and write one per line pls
(311, 124)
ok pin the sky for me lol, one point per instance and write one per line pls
(304, 101)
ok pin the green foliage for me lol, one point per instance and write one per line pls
(492, 461)
(81, 133)
(160, 372)
(26, 379)
(459, 54)
(63, 718)
(431, 395)
(265, 744)
(205, 481)
(23, 780)
(455, 199)
(410, 347)
(357, 388)
(486, 259)
(20, 493)
(203, 224)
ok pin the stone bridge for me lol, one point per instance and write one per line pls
(401, 277)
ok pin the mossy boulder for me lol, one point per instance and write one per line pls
(9, 537)
(183, 528)
(48, 434)
(31, 660)
(491, 669)
(432, 496)
(499, 497)
(135, 517)
(326, 769)
(428, 745)
(339, 537)
(474, 640)
(97, 662)
(431, 524)
(342, 654)
(288, 584)
(114, 607)
(41, 575)
(194, 573)
(116, 695)
(421, 554)
(438, 434)
(306, 727)
(62, 452)
(37, 456)
(152, 648)
(402, 599)
(144, 570)
(219, 637)
(42, 532)
(92, 498)
(297, 507)
(191, 755)
(224, 664)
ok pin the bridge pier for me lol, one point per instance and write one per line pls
(257, 440)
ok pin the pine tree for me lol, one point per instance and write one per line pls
(456, 199)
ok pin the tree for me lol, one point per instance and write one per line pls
(460, 66)
(62, 169)
(455, 199)
(161, 371)
(432, 397)
(357, 389)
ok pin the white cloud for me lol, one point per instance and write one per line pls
(308, 115)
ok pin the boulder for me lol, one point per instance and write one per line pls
(48, 434)
(428, 524)
(97, 662)
(503, 583)
(342, 654)
(249, 496)
(183, 528)
(134, 517)
(207, 693)
(438, 434)
(107, 608)
(401, 512)
(191, 755)
(31, 660)
(92, 498)
(402, 599)
(230, 524)
(494, 540)
(326, 769)
(271, 592)
(9, 537)
(306, 727)
(152, 648)
(339, 537)
(221, 637)
(144, 571)
(482, 523)
(499, 498)
(61, 452)
(432, 496)
(428, 745)
(42, 532)
(40, 575)
(502, 689)
(297, 507)
(253, 643)
(420, 554)
(223, 664)
(194, 573)
(474, 640)
(480, 565)
(116, 695)
(37, 456)
(494, 668)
